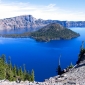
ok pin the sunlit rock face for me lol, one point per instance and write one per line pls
(29, 23)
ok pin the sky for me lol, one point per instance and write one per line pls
(70, 10)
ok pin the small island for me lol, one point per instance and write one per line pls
(50, 32)
(53, 32)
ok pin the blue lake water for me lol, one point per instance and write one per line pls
(41, 56)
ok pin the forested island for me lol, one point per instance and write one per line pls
(13, 72)
(50, 32)
(53, 32)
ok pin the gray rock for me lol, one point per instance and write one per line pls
(29, 23)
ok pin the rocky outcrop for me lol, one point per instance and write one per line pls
(29, 23)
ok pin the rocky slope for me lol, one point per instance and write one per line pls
(75, 76)
(29, 23)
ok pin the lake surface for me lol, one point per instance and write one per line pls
(41, 56)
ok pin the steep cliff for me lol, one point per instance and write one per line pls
(26, 22)
(29, 23)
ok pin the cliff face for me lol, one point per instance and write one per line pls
(75, 23)
(29, 23)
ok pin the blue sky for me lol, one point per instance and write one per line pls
(71, 10)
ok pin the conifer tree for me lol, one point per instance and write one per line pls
(71, 65)
(12, 73)
(59, 71)
(82, 51)
(3, 57)
(32, 75)
(2, 70)
(15, 71)
(21, 73)
(27, 76)
(24, 73)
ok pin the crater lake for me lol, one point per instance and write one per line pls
(42, 56)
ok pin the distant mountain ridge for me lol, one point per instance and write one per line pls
(26, 22)
(29, 23)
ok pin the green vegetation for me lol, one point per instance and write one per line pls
(53, 32)
(59, 69)
(50, 32)
(14, 73)
(23, 35)
(71, 66)
(81, 56)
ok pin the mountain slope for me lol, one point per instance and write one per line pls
(53, 32)
(29, 23)
(24, 23)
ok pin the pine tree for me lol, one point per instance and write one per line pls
(28, 76)
(21, 73)
(9, 63)
(82, 51)
(24, 73)
(12, 73)
(9, 70)
(82, 45)
(3, 57)
(2, 69)
(32, 75)
(15, 71)
(71, 65)
(59, 71)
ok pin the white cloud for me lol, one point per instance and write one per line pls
(45, 12)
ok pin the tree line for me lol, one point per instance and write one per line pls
(13, 72)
